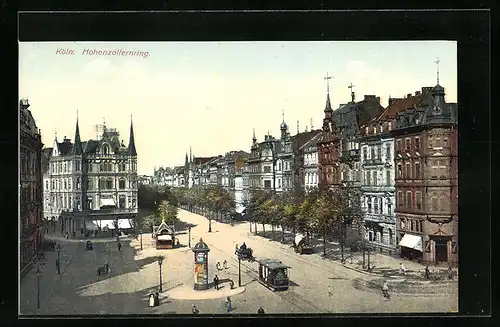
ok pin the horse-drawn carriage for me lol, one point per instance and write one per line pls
(302, 246)
(245, 253)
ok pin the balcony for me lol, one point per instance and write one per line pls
(372, 162)
(380, 218)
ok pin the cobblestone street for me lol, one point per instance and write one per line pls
(135, 273)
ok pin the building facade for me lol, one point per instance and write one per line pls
(379, 171)
(93, 184)
(31, 188)
(426, 146)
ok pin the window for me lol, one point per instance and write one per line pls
(375, 178)
(365, 153)
(417, 170)
(47, 185)
(435, 205)
(390, 236)
(388, 152)
(375, 206)
(267, 169)
(431, 141)
(408, 171)
(379, 152)
(408, 200)
(387, 177)
(417, 143)
(122, 183)
(445, 142)
(105, 149)
(369, 204)
(267, 184)
(400, 199)
(418, 200)
(52, 184)
(408, 143)
(368, 178)
(89, 202)
(389, 208)
(400, 170)
(411, 225)
(78, 182)
(373, 153)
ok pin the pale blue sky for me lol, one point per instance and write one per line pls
(211, 95)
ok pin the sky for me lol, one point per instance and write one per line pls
(211, 95)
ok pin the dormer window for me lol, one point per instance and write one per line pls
(366, 130)
(105, 149)
(380, 128)
(389, 125)
(374, 130)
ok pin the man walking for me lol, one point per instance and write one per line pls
(385, 290)
(229, 304)
(119, 246)
(427, 273)
(402, 269)
(450, 273)
(58, 266)
(216, 282)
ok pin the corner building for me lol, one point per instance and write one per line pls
(426, 160)
(92, 184)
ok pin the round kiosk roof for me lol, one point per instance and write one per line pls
(201, 246)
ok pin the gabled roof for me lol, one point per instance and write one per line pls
(64, 147)
(201, 160)
(311, 141)
(302, 138)
(164, 227)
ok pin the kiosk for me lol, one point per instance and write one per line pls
(201, 266)
(164, 236)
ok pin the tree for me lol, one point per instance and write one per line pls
(167, 213)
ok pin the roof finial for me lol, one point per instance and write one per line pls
(327, 78)
(55, 133)
(254, 133)
(283, 114)
(437, 66)
(76, 113)
(352, 92)
(298, 131)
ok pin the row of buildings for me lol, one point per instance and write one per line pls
(402, 159)
(30, 188)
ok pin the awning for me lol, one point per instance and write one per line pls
(122, 223)
(412, 242)
(298, 237)
(240, 210)
(107, 202)
(164, 238)
(90, 225)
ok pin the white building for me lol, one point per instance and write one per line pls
(310, 166)
(89, 185)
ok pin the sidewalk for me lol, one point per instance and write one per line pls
(62, 239)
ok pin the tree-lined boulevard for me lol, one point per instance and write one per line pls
(135, 273)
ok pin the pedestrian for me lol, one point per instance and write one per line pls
(329, 290)
(229, 304)
(224, 264)
(157, 299)
(151, 299)
(385, 290)
(58, 266)
(236, 249)
(195, 310)
(427, 273)
(450, 273)
(261, 311)
(402, 269)
(216, 282)
(67, 235)
(119, 246)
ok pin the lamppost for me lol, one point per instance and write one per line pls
(239, 271)
(189, 236)
(209, 224)
(160, 262)
(141, 239)
(38, 287)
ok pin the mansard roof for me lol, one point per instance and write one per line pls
(300, 139)
(350, 117)
(64, 147)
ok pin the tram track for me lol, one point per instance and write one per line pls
(288, 295)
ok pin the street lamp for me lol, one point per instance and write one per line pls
(160, 262)
(239, 271)
(209, 224)
(141, 239)
(189, 236)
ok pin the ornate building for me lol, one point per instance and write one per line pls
(93, 184)
(377, 164)
(308, 165)
(426, 146)
(329, 151)
(30, 179)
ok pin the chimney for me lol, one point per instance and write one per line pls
(408, 95)
(417, 93)
(378, 100)
(370, 97)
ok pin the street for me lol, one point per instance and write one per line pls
(135, 273)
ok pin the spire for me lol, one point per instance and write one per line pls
(328, 78)
(352, 92)
(283, 126)
(190, 154)
(77, 147)
(254, 139)
(328, 106)
(437, 67)
(298, 131)
(186, 161)
(55, 134)
(131, 143)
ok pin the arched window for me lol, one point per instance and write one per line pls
(102, 183)
(390, 237)
(65, 185)
(122, 183)
(109, 184)
(47, 185)
(78, 182)
(105, 149)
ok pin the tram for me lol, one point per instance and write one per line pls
(273, 274)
